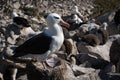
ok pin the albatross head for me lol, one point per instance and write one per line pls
(54, 18)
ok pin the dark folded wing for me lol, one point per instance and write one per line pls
(38, 44)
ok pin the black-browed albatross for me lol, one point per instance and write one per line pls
(45, 43)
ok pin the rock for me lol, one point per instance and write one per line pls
(16, 5)
(66, 33)
(3, 23)
(107, 17)
(89, 26)
(72, 33)
(61, 54)
(110, 68)
(92, 76)
(45, 3)
(83, 77)
(112, 29)
(37, 27)
(92, 63)
(101, 50)
(69, 75)
(82, 70)
(106, 53)
(1, 76)
(91, 39)
(114, 53)
(61, 72)
(114, 76)
(35, 20)
(31, 10)
(117, 17)
(88, 60)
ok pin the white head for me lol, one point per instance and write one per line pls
(14, 14)
(75, 16)
(54, 18)
(75, 9)
(104, 26)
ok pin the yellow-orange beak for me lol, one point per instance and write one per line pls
(65, 23)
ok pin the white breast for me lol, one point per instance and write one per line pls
(58, 41)
(56, 33)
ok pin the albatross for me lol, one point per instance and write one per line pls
(44, 44)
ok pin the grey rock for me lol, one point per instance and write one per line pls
(16, 5)
(1, 76)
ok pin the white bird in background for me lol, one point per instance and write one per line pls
(77, 19)
(24, 25)
(14, 14)
(104, 26)
(77, 15)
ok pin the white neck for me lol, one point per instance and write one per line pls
(14, 14)
(54, 30)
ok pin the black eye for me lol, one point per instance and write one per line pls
(56, 17)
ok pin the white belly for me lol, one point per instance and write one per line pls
(56, 43)
(59, 43)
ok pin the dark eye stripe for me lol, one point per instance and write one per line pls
(56, 17)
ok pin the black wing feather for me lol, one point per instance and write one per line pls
(38, 44)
